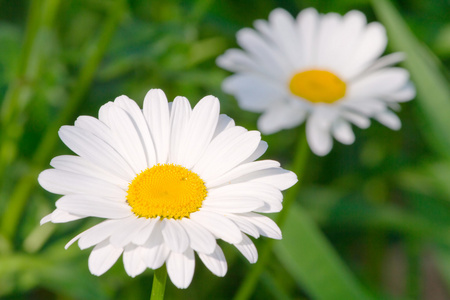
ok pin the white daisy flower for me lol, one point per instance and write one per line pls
(168, 180)
(322, 69)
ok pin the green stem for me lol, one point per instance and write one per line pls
(159, 283)
(413, 252)
(18, 200)
(301, 154)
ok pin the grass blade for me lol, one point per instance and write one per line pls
(313, 263)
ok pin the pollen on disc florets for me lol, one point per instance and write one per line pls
(166, 190)
(317, 86)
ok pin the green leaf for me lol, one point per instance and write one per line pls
(433, 93)
(313, 263)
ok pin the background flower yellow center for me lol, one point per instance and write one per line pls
(169, 191)
(317, 86)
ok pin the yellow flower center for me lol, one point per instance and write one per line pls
(317, 86)
(168, 191)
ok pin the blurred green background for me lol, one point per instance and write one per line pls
(382, 204)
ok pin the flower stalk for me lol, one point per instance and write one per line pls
(159, 283)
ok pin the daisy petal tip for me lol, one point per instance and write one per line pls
(71, 242)
(265, 128)
(291, 179)
(46, 219)
(123, 99)
(399, 56)
(222, 60)
(155, 95)
(63, 129)
(397, 127)
(278, 13)
(320, 150)
(212, 100)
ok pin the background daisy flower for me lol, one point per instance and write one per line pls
(324, 70)
(168, 180)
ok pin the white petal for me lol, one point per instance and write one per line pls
(217, 144)
(79, 165)
(359, 120)
(180, 267)
(227, 150)
(385, 61)
(46, 219)
(281, 116)
(370, 46)
(280, 178)
(132, 261)
(155, 257)
(244, 196)
(352, 27)
(343, 132)
(200, 239)
(128, 136)
(103, 113)
(223, 123)
(200, 130)
(93, 206)
(64, 182)
(318, 135)
(244, 225)
(232, 204)
(129, 229)
(285, 35)
(260, 150)
(270, 207)
(179, 120)
(254, 93)
(96, 234)
(215, 261)
(261, 191)
(218, 225)
(87, 145)
(242, 170)
(103, 257)
(406, 93)
(60, 216)
(367, 107)
(239, 61)
(174, 235)
(156, 112)
(97, 127)
(307, 26)
(145, 232)
(263, 52)
(155, 252)
(389, 119)
(327, 38)
(379, 83)
(141, 124)
(265, 225)
(248, 249)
